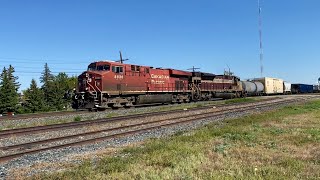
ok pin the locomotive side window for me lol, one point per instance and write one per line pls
(147, 70)
(103, 68)
(117, 69)
(106, 67)
(133, 68)
(100, 68)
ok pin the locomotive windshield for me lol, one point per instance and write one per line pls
(94, 67)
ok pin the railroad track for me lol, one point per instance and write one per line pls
(68, 125)
(59, 113)
(63, 113)
(127, 130)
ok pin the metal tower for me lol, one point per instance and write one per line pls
(260, 36)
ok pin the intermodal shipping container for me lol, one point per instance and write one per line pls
(271, 85)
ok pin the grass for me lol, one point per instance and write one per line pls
(282, 144)
(112, 114)
(240, 100)
(77, 118)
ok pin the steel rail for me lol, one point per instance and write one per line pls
(98, 139)
(52, 127)
(30, 144)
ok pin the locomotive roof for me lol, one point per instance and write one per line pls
(118, 63)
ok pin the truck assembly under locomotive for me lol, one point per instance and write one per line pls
(115, 84)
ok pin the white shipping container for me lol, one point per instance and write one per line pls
(271, 85)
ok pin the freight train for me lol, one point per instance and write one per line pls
(273, 86)
(116, 84)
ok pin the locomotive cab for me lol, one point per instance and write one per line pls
(90, 85)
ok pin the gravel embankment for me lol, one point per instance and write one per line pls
(18, 123)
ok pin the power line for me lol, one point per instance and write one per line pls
(55, 68)
(43, 62)
(39, 60)
(53, 72)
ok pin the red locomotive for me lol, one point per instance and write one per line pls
(115, 84)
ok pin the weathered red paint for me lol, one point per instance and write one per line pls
(127, 78)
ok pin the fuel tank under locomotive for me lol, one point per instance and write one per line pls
(150, 99)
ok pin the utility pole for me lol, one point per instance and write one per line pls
(260, 37)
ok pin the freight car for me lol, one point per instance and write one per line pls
(264, 86)
(286, 88)
(252, 88)
(271, 85)
(115, 84)
(301, 88)
(316, 88)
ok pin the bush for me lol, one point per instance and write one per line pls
(77, 118)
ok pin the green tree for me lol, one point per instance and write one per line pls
(47, 83)
(62, 85)
(3, 76)
(34, 97)
(9, 96)
(12, 78)
(56, 96)
(56, 87)
(72, 82)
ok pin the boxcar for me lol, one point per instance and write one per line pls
(301, 88)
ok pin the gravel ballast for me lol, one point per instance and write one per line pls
(65, 155)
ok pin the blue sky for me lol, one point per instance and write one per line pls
(208, 34)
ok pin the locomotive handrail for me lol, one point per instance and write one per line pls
(95, 84)
(93, 88)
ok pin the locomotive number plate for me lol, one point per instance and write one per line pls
(117, 76)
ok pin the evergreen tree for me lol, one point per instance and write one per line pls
(12, 78)
(34, 97)
(9, 95)
(55, 88)
(47, 79)
(3, 76)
